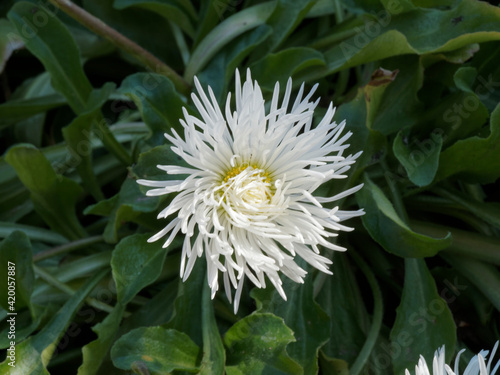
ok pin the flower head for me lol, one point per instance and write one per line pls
(246, 200)
(477, 365)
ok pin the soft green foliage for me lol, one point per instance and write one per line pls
(158, 349)
(257, 343)
(303, 315)
(390, 231)
(56, 49)
(135, 265)
(54, 196)
(16, 249)
(423, 320)
(81, 119)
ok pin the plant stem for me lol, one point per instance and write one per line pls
(100, 28)
(68, 247)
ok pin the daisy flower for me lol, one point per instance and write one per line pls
(477, 365)
(246, 199)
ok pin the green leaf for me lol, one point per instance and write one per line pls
(54, 196)
(9, 42)
(285, 17)
(160, 350)
(424, 322)
(403, 35)
(371, 142)
(199, 323)
(484, 276)
(458, 56)
(16, 260)
(452, 117)
(397, 105)
(396, 7)
(160, 155)
(369, 105)
(321, 8)
(487, 211)
(78, 138)
(158, 101)
(26, 323)
(362, 360)
(33, 233)
(226, 31)
(257, 344)
(16, 110)
(30, 130)
(420, 162)
(214, 355)
(300, 308)
(126, 206)
(229, 58)
(55, 47)
(151, 31)
(373, 94)
(210, 14)
(180, 12)
(157, 311)
(91, 45)
(136, 264)
(387, 228)
(488, 72)
(284, 64)
(95, 352)
(31, 363)
(67, 272)
(341, 298)
(333, 365)
(37, 350)
(474, 159)
(188, 317)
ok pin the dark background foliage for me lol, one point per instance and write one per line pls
(81, 119)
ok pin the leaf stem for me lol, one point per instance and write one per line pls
(68, 247)
(100, 28)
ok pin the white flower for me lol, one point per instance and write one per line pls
(246, 200)
(477, 365)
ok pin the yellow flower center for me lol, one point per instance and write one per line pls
(246, 184)
(235, 171)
